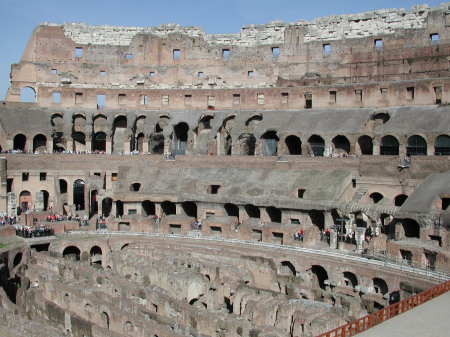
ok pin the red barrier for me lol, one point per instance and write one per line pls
(382, 315)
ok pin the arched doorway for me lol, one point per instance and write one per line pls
(168, 207)
(269, 143)
(247, 143)
(148, 208)
(94, 202)
(252, 211)
(400, 199)
(232, 210)
(341, 145)
(119, 208)
(316, 146)
(365, 145)
(190, 208)
(179, 138)
(27, 95)
(39, 143)
(119, 130)
(99, 142)
(71, 253)
(317, 219)
(442, 145)
(19, 142)
(389, 146)
(24, 201)
(319, 275)
(274, 214)
(107, 206)
(293, 145)
(78, 194)
(79, 141)
(45, 197)
(416, 146)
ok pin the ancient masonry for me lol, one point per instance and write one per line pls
(226, 185)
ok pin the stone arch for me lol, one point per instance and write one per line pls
(231, 210)
(139, 142)
(100, 123)
(252, 122)
(39, 143)
(287, 268)
(365, 144)
(389, 146)
(24, 200)
(380, 286)
(135, 187)
(79, 142)
(416, 146)
(316, 146)
(45, 199)
(128, 327)
(71, 253)
(148, 208)
(376, 197)
(96, 255)
(225, 141)
(293, 145)
(319, 276)
(78, 194)
(17, 259)
(105, 320)
(269, 142)
(411, 228)
(156, 138)
(317, 218)
(205, 123)
(274, 214)
(19, 142)
(247, 144)
(180, 138)
(119, 134)
(99, 142)
(78, 122)
(27, 95)
(190, 208)
(107, 206)
(377, 119)
(350, 279)
(168, 207)
(252, 211)
(400, 199)
(442, 145)
(138, 134)
(119, 208)
(341, 145)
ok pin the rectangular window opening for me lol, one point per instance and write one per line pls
(187, 99)
(101, 101)
(165, 99)
(102, 72)
(56, 97)
(434, 38)
(54, 71)
(152, 73)
(225, 54)
(25, 176)
(78, 98)
(358, 95)
(113, 176)
(326, 49)
(438, 94)
(275, 51)
(284, 98)
(176, 54)
(308, 101)
(144, 99)
(261, 99)
(43, 176)
(200, 74)
(122, 98)
(410, 93)
(332, 97)
(128, 56)
(211, 102)
(250, 73)
(78, 52)
(378, 44)
(215, 189)
(236, 99)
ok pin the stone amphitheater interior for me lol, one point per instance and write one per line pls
(282, 181)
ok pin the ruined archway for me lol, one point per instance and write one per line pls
(341, 145)
(99, 142)
(247, 144)
(190, 208)
(416, 146)
(318, 277)
(19, 142)
(274, 214)
(78, 194)
(179, 138)
(389, 146)
(442, 145)
(365, 144)
(119, 134)
(411, 228)
(400, 199)
(71, 253)
(27, 95)
(95, 256)
(293, 146)
(148, 208)
(107, 206)
(79, 142)
(39, 143)
(269, 144)
(231, 210)
(168, 207)
(317, 219)
(252, 211)
(316, 146)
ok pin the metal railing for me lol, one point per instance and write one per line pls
(382, 315)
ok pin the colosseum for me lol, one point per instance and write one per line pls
(282, 181)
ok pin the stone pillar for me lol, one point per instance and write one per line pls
(167, 143)
(69, 144)
(145, 145)
(39, 203)
(334, 236)
(127, 145)
(12, 204)
(376, 227)
(108, 144)
(49, 146)
(88, 144)
(359, 237)
(376, 150)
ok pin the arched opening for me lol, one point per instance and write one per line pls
(17, 259)
(99, 142)
(27, 95)
(317, 219)
(416, 146)
(24, 201)
(45, 196)
(119, 208)
(341, 145)
(287, 268)
(365, 145)
(135, 187)
(119, 137)
(225, 141)
(157, 137)
(411, 228)
(319, 275)
(40, 143)
(252, 122)
(442, 145)
(105, 320)
(96, 255)
(389, 146)
(94, 202)
(79, 141)
(205, 123)
(232, 210)
(78, 194)
(19, 142)
(252, 211)
(179, 138)
(190, 208)
(168, 207)
(293, 145)
(380, 286)
(139, 146)
(107, 206)
(71, 253)
(128, 328)
(350, 279)
(148, 208)
(247, 143)
(316, 146)
(274, 214)
(376, 197)
(400, 199)
(270, 143)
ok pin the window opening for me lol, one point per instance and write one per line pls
(378, 44)
(25, 176)
(275, 51)
(43, 176)
(215, 189)
(284, 98)
(113, 176)
(358, 95)
(144, 99)
(236, 99)
(176, 54)
(410, 93)
(308, 101)
(78, 98)
(251, 73)
(101, 99)
(56, 97)
(165, 99)
(225, 54)
(200, 74)
(434, 38)
(102, 73)
(54, 71)
(438, 94)
(78, 52)
(332, 96)
(326, 49)
(187, 99)
(261, 99)
(211, 102)
(122, 98)
(128, 56)
(152, 73)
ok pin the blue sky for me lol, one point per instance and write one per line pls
(18, 18)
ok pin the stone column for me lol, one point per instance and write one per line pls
(376, 227)
(108, 144)
(334, 236)
(69, 143)
(12, 204)
(49, 146)
(359, 237)
(145, 145)
(88, 145)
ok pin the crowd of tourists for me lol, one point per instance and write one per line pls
(34, 231)
(56, 217)
(7, 220)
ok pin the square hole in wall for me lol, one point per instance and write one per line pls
(56, 97)
(176, 54)
(275, 51)
(225, 54)
(78, 52)
(54, 71)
